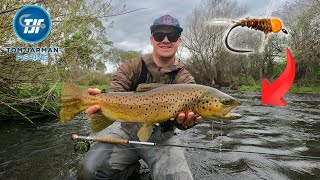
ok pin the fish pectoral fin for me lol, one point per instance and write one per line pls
(145, 131)
(147, 86)
(99, 121)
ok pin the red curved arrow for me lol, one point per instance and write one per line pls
(272, 94)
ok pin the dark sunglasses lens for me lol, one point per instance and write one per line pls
(173, 37)
(159, 36)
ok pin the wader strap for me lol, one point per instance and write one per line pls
(144, 75)
(172, 76)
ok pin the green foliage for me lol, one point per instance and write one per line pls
(88, 77)
(40, 99)
(82, 48)
(57, 89)
(251, 88)
(118, 56)
(295, 88)
(97, 78)
(278, 69)
(305, 89)
(315, 77)
(101, 67)
(244, 80)
(102, 87)
(129, 55)
(33, 99)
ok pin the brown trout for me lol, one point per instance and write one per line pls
(150, 104)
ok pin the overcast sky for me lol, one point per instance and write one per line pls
(131, 31)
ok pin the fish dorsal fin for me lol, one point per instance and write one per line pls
(147, 86)
(99, 121)
(145, 131)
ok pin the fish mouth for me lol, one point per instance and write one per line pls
(228, 116)
(226, 112)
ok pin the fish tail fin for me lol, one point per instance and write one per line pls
(70, 101)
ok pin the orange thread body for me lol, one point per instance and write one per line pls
(276, 25)
(266, 25)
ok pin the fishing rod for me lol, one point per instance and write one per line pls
(84, 146)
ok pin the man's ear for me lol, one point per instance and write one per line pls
(179, 41)
(151, 39)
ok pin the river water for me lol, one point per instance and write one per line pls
(47, 152)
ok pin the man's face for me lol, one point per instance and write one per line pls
(163, 47)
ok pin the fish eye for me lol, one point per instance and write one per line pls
(226, 101)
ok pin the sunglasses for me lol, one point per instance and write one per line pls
(172, 36)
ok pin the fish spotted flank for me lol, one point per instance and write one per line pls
(150, 104)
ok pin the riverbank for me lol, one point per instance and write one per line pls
(35, 102)
(294, 88)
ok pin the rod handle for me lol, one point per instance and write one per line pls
(110, 140)
(75, 137)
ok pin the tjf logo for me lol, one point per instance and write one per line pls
(32, 24)
(34, 27)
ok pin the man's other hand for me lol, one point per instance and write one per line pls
(94, 108)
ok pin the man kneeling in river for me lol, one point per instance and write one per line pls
(119, 161)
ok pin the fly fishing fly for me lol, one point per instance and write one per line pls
(266, 25)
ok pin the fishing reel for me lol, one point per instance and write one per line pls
(81, 147)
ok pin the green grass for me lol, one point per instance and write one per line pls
(96, 86)
(102, 87)
(293, 89)
(305, 89)
(251, 88)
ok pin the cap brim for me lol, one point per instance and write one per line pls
(154, 27)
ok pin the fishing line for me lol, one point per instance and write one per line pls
(220, 143)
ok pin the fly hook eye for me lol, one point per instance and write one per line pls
(284, 31)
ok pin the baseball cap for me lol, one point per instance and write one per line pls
(166, 20)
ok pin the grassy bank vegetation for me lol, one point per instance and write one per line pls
(309, 85)
(294, 88)
(33, 100)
